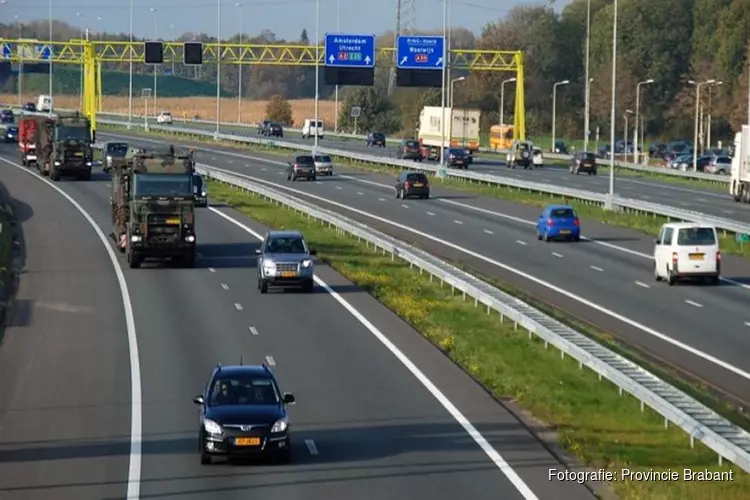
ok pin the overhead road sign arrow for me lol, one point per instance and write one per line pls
(44, 52)
(420, 52)
(350, 50)
(7, 51)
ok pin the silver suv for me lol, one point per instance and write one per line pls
(285, 260)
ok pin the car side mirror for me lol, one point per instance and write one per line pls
(313, 252)
(257, 251)
(289, 398)
(198, 400)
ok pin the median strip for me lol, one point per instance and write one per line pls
(591, 419)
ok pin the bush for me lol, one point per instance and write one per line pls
(279, 110)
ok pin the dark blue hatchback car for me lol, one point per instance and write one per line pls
(558, 222)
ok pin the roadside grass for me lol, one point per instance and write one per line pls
(646, 223)
(591, 419)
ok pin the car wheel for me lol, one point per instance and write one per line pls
(134, 260)
(538, 235)
(205, 458)
(546, 237)
(398, 194)
(577, 238)
(671, 278)
(263, 286)
(284, 457)
(309, 287)
(313, 178)
(289, 177)
(713, 280)
(403, 194)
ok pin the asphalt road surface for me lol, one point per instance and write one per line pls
(365, 427)
(645, 188)
(607, 281)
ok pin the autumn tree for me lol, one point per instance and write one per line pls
(279, 110)
(378, 114)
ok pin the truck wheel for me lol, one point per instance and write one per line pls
(54, 175)
(23, 161)
(134, 260)
(189, 260)
(86, 176)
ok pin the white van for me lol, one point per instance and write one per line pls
(687, 250)
(309, 129)
(44, 104)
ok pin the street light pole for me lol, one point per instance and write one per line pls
(628, 112)
(50, 56)
(554, 109)
(317, 75)
(710, 118)
(156, 37)
(613, 117)
(502, 98)
(442, 99)
(218, 68)
(697, 106)
(637, 115)
(130, 71)
(450, 98)
(336, 105)
(586, 111)
(239, 78)
(80, 90)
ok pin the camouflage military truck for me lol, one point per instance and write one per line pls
(153, 208)
(64, 147)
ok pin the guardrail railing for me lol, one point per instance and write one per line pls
(720, 179)
(729, 441)
(673, 213)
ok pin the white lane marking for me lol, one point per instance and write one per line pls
(270, 361)
(238, 306)
(558, 255)
(213, 157)
(703, 200)
(747, 323)
(136, 422)
(522, 243)
(405, 206)
(693, 303)
(641, 284)
(230, 161)
(360, 193)
(225, 286)
(281, 173)
(381, 199)
(108, 185)
(464, 422)
(431, 214)
(311, 448)
(646, 329)
(253, 330)
(338, 187)
(458, 222)
(728, 212)
(263, 169)
(211, 270)
(597, 269)
(487, 231)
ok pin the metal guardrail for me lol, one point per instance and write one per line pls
(720, 179)
(673, 213)
(729, 441)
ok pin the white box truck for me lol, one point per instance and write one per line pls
(463, 130)
(739, 187)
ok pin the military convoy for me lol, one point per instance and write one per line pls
(153, 206)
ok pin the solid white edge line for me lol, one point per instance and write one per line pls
(518, 272)
(478, 438)
(136, 423)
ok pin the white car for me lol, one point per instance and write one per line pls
(687, 250)
(537, 157)
(165, 117)
(309, 128)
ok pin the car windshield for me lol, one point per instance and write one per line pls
(411, 144)
(691, 236)
(416, 178)
(243, 390)
(562, 213)
(163, 185)
(12, 130)
(290, 244)
(68, 133)
(323, 159)
(117, 149)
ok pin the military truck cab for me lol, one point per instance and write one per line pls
(64, 147)
(153, 207)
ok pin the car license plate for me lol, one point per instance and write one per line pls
(288, 274)
(696, 256)
(173, 221)
(564, 231)
(418, 185)
(79, 154)
(247, 441)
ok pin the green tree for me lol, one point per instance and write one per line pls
(733, 32)
(378, 112)
(279, 110)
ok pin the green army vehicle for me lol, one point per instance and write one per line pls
(153, 208)
(64, 147)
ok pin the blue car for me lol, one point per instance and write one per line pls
(10, 134)
(558, 222)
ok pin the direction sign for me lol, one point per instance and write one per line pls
(44, 52)
(350, 50)
(420, 52)
(7, 51)
(356, 111)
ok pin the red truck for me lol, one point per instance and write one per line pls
(27, 127)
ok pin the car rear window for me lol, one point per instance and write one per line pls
(696, 236)
(378, 135)
(416, 178)
(323, 159)
(563, 213)
(304, 159)
(411, 144)
(724, 160)
(588, 156)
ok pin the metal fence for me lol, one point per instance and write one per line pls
(729, 441)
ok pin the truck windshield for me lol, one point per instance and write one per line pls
(68, 133)
(163, 185)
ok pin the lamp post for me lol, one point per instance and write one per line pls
(174, 39)
(317, 74)
(49, 21)
(628, 112)
(450, 122)
(587, 90)
(697, 106)
(239, 69)
(80, 91)
(218, 68)
(130, 71)
(710, 118)
(443, 83)
(611, 198)
(156, 37)
(502, 98)
(336, 104)
(554, 109)
(636, 152)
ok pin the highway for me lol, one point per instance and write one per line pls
(365, 425)
(646, 188)
(606, 281)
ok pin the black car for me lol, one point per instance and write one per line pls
(199, 191)
(457, 157)
(10, 134)
(29, 106)
(303, 166)
(7, 116)
(262, 127)
(273, 130)
(375, 139)
(243, 414)
(412, 184)
(657, 150)
(583, 161)
(560, 147)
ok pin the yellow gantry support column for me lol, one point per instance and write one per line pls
(519, 116)
(89, 83)
(99, 88)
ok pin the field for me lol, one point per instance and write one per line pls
(203, 107)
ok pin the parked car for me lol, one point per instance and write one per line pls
(558, 222)
(583, 161)
(720, 165)
(409, 149)
(687, 250)
(657, 150)
(375, 139)
(302, 167)
(411, 184)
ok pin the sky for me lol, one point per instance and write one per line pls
(286, 18)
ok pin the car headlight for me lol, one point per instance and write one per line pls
(269, 266)
(212, 427)
(88, 163)
(306, 263)
(280, 425)
(57, 163)
(136, 238)
(190, 238)
(203, 193)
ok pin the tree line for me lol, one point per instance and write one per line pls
(672, 42)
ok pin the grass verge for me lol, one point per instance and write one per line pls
(646, 223)
(591, 419)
